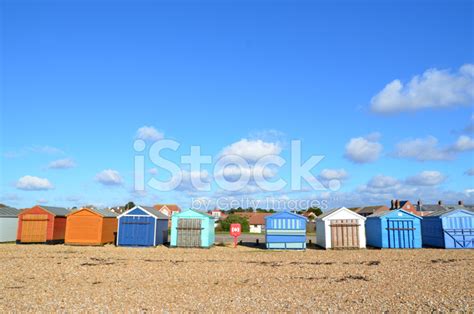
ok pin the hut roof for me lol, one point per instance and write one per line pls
(153, 211)
(286, 213)
(58, 211)
(334, 210)
(448, 211)
(388, 212)
(371, 209)
(8, 212)
(101, 211)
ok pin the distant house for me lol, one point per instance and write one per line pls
(167, 209)
(370, 210)
(256, 221)
(404, 205)
(460, 204)
(216, 213)
(427, 209)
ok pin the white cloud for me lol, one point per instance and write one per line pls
(252, 150)
(433, 89)
(31, 183)
(200, 178)
(333, 174)
(426, 178)
(464, 143)
(109, 177)
(42, 201)
(382, 182)
(149, 133)
(469, 172)
(364, 149)
(422, 149)
(62, 164)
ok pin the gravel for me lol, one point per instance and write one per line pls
(71, 278)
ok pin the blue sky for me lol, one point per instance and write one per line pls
(382, 90)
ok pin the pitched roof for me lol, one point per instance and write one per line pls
(8, 212)
(171, 207)
(255, 218)
(100, 211)
(154, 211)
(58, 211)
(287, 213)
(386, 212)
(332, 211)
(447, 211)
(430, 208)
(371, 209)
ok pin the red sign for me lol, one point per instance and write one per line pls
(235, 232)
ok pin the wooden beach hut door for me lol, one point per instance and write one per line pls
(137, 231)
(400, 234)
(344, 233)
(34, 228)
(189, 232)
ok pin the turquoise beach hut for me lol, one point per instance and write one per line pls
(192, 228)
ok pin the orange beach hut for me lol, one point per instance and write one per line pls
(42, 224)
(88, 226)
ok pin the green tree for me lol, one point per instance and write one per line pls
(129, 205)
(235, 219)
(316, 210)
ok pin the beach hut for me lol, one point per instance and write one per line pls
(89, 226)
(42, 224)
(142, 226)
(285, 230)
(340, 228)
(395, 229)
(192, 229)
(8, 224)
(450, 229)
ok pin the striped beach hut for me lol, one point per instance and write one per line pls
(8, 224)
(450, 229)
(142, 226)
(191, 228)
(42, 224)
(340, 228)
(395, 229)
(285, 230)
(88, 226)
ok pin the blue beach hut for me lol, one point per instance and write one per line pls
(395, 229)
(450, 229)
(285, 230)
(142, 226)
(191, 228)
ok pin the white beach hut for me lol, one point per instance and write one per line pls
(340, 228)
(8, 224)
